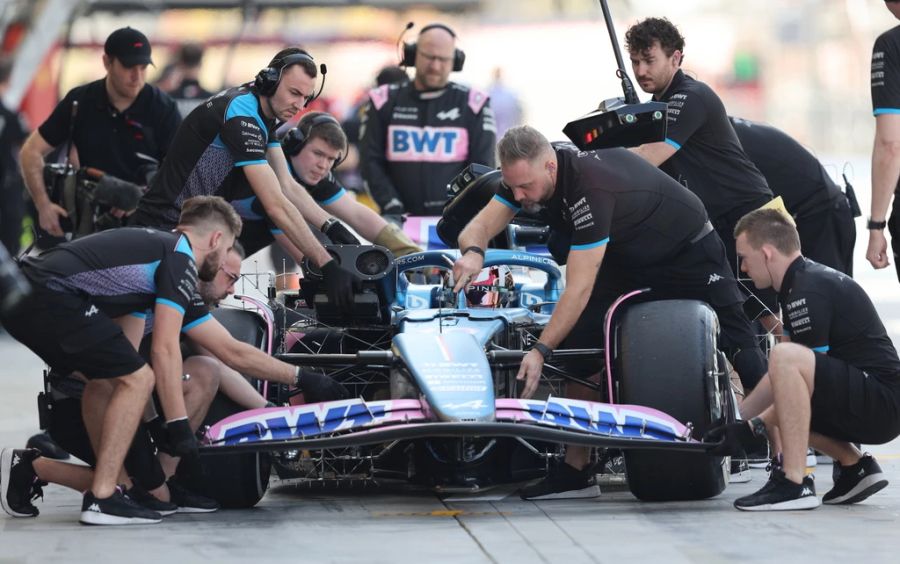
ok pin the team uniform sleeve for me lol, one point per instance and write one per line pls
(590, 213)
(505, 196)
(373, 152)
(328, 191)
(885, 80)
(243, 134)
(807, 319)
(55, 128)
(686, 114)
(483, 138)
(196, 313)
(176, 281)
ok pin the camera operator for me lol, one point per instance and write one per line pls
(118, 124)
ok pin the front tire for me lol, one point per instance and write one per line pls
(667, 359)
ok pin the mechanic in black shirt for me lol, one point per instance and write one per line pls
(13, 132)
(77, 317)
(836, 383)
(189, 93)
(313, 149)
(416, 136)
(821, 210)
(701, 149)
(227, 147)
(631, 227)
(885, 88)
(122, 125)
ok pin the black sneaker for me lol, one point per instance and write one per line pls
(19, 484)
(780, 494)
(188, 501)
(857, 482)
(146, 499)
(47, 447)
(117, 509)
(564, 482)
(759, 458)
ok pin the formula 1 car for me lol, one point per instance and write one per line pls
(435, 399)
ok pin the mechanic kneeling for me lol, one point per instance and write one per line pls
(650, 230)
(837, 382)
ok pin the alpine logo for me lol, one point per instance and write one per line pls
(93, 310)
(449, 114)
(713, 278)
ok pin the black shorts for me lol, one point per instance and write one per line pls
(699, 272)
(70, 333)
(850, 405)
(828, 237)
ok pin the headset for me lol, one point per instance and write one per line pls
(409, 49)
(267, 80)
(295, 139)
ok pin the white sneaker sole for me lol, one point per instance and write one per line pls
(741, 477)
(5, 463)
(585, 493)
(869, 485)
(807, 502)
(95, 518)
(196, 510)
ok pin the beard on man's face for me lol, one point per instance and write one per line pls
(210, 267)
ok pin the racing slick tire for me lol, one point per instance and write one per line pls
(236, 481)
(667, 359)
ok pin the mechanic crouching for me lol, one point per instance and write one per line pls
(836, 383)
(631, 227)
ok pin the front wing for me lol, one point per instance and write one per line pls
(356, 422)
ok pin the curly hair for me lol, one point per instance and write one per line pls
(640, 37)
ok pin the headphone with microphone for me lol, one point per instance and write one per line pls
(296, 138)
(268, 79)
(409, 49)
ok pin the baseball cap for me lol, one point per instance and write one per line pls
(130, 46)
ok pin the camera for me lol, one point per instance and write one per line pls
(14, 287)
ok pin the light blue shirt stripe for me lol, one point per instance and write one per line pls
(195, 323)
(334, 198)
(171, 304)
(822, 349)
(880, 111)
(245, 163)
(587, 246)
(507, 203)
(673, 143)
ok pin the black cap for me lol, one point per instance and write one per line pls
(130, 46)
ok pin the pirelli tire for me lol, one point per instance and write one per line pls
(667, 359)
(236, 481)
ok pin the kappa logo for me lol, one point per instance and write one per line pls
(862, 472)
(93, 310)
(713, 278)
(94, 507)
(449, 114)
(15, 460)
(806, 491)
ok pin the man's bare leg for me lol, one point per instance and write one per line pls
(74, 476)
(792, 374)
(845, 453)
(119, 425)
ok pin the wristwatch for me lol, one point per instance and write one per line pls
(873, 225)
(474, 249)
(545, 351)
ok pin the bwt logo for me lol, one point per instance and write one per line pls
(427, 144)
(302, 423)
(600, 421)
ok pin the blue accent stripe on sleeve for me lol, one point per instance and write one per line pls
(195, 323)
(184, 246)
(507, 203)
(880, 111)
(273, 144)
(245, 163)
(334, 198)
(674, 144)
(139, 314)
(171, 304)
(245, 105)
(589, 245)
(785, 332)
(276, 231)
(822, 349)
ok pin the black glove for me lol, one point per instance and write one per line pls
(160, 435)
(736, 439)
(182, 439)
(338, 233)
(340, 284)
(318, 387)
(393, 212)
